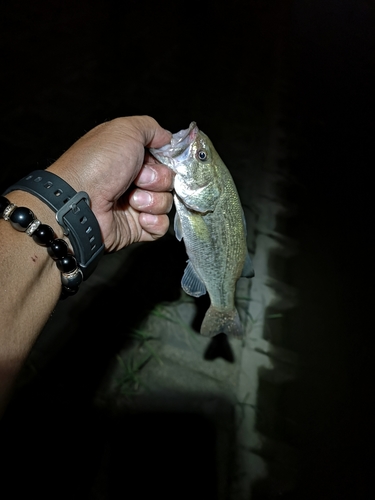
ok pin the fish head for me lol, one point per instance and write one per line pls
(187, 154)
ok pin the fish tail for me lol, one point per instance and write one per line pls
(217, 321)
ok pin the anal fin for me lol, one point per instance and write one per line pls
(177, 227)
(191, 282)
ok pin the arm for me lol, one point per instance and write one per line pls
(105, 163)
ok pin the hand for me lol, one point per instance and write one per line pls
(106, 162)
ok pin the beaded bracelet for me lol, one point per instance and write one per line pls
(23, 219)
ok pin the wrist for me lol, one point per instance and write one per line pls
(72, 212)
(24, 220)
(24, 261)
(66, 174)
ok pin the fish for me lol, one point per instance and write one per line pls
(210, 220)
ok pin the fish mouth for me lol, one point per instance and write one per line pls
(184, 137)
(178, 149)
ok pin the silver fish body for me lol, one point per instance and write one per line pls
(210, 220)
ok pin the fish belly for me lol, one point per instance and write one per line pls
(216, 246)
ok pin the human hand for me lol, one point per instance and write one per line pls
(105, 163)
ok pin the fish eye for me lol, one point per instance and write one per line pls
(202, 155)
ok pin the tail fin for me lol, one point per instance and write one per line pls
(217, 321)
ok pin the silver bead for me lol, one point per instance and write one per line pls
(33, 227)
(72, 279)
(8, 211)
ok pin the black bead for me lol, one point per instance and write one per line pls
(21, 218)
(58, 249)
(67, 292)
(73, 280)
(67, 264)
(4, 202)
(44, 235)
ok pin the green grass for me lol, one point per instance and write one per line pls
(144, 339)
(129, 380)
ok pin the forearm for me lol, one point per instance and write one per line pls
(106, 163)
(30, 288)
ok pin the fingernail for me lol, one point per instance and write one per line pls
(147, 175)
(142, 198)
(150, 219)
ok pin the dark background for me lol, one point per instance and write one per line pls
(67, 66)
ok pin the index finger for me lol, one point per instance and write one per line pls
(154, 136)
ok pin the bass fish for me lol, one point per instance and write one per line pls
(210, 220)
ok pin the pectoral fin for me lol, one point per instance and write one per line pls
(248, 268)
(191, 282)
(177, 227)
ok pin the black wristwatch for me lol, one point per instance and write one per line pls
(73, 213)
